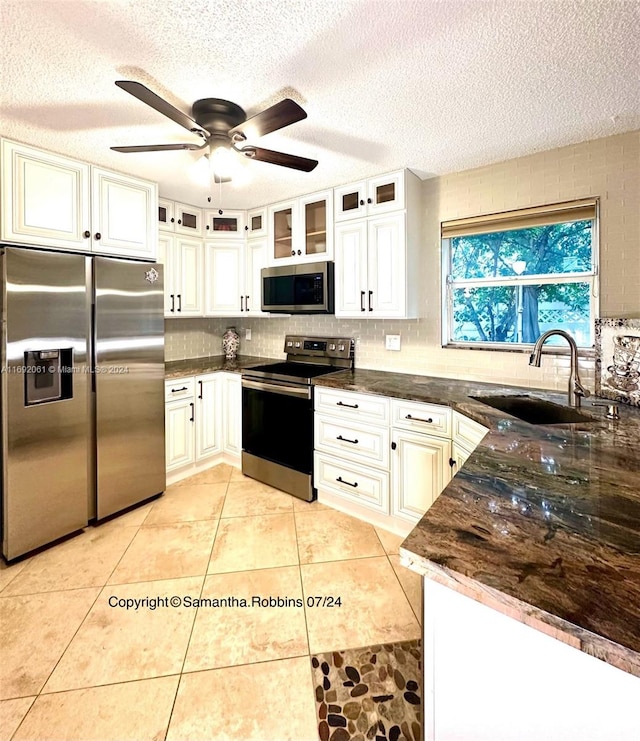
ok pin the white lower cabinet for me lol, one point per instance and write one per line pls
(203, 425)
(420, 471)
(386, 460)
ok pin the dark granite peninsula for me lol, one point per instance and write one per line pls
(211, 364)
(542, 524)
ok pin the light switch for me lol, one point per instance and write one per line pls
(247, 334)
(392, 342)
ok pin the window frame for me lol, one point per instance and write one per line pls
(448, 284)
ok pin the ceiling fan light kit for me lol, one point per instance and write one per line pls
(223, 126)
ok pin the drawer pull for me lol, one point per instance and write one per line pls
(200, 395)
(453, 462)
(418, 419)
(346, 440)
(342, 404)
(348, 483)
(193, 410)
(175, 391)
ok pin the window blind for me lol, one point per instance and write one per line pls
(521, 219)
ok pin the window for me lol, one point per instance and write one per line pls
(509, 277)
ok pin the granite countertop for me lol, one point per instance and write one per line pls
(541, 523)
(197, 366)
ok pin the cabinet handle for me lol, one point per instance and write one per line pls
(200, 394)
(348, 483)
(362, 301)
(346, 440)
(453, 462)
(173, 302)
(86, 234)
(246, 303)
(419, 419)
(98, 235)
(193, 411)
(175, 391)
(179, 302)
(370, 295)
(241, 303)
(342, 404)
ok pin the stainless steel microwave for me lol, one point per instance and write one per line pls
(298, 289)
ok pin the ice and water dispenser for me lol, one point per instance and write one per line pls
(48, 375)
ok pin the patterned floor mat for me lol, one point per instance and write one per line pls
(369, 694)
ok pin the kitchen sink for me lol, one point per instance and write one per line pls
(535, 411)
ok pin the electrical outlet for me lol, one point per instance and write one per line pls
(247, 334)
(392, 342)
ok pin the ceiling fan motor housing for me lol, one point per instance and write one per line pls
(218, 116)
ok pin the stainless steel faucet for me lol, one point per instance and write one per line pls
(576, 389)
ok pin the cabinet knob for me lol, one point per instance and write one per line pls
(246, 228)
(98, 235)
(172, 219)
(361, 202)
(369, 200)
(86, 234)
(208, 227)
(299, 252)
(293, 252)
(179, 221)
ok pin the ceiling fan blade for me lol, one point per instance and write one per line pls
(139, 91)
(276, 117)
(158, 147)
(279, 158)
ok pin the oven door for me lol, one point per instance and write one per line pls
(277, 423)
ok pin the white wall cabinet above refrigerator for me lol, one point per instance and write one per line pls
(301, 230)
(54, 201)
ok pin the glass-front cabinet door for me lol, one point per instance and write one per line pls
(188, 220)
(166, 220)
(350, 201)
(385, 193)
(256, 225)
(223, 223)
(283, 223)
(316, 217)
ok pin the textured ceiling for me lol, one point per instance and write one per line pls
(437, 86)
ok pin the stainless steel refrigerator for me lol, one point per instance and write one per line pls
(82, 391)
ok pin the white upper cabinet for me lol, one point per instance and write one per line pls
(224, 224)
(256, 226)
(123, 214)
(183, 275)
(371, 273)
(232, 276)
(54, 201)
(370, 197)
(302, 230)
(166, 219)
(45, 199)
(188, 220)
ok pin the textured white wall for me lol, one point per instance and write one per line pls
(608, 168)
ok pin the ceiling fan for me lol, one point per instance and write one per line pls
(223, 125)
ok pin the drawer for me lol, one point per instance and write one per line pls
(179, 388)
(352, 482)
(366, 444)
(428, 418)
(350, 405)
(466, 432)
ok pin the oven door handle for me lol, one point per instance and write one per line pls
(302, 392)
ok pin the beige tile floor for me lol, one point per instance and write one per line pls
(91, 648)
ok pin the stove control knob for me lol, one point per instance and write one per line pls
(332, 346)
(289, 344)
(297, 344)
(341, 348)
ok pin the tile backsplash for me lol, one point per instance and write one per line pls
(608, 168)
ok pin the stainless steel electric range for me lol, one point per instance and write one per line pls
(277, 412)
